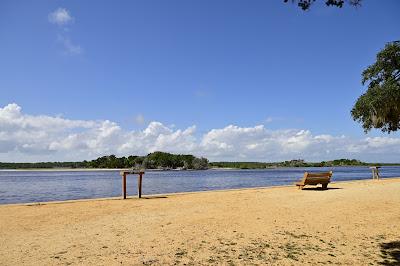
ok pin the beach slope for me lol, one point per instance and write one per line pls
(351, 223)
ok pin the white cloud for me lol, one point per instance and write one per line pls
(60, 17)
(269, 119)
(25, 137)
(69, 47)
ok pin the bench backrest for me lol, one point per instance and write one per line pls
(316, 178)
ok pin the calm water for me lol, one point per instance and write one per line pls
(39, 186)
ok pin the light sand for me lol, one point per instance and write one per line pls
(354, 223)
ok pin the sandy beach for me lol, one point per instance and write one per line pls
(351, 223)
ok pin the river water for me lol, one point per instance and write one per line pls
(41, 186)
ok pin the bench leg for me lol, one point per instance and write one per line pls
(301, 187)
(324, 186)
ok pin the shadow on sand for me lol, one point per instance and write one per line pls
(320, 188)
(390, 253)
(155, 197)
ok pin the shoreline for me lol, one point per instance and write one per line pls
(167, 170)
(88, 169)
(146, 196)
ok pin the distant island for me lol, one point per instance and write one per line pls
(155, 160)
(168, 161)
(295, 163)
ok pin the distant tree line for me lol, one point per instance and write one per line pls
(166, 161)
(42, 165)
(155, 160)
(240, 165)
(292, 163)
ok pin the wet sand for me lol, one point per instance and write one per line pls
(350, 223)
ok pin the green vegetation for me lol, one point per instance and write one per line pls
(155, 160)
(42, 165)
(306, 4)
(240, 165)
(167, 161)
(379, 106)
(292, 163)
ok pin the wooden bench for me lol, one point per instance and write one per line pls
(315, 179)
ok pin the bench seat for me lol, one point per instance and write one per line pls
(314, 179)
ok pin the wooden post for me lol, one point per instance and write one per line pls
(124, 173)
(124, 185)
(377, 173)
(140, 185)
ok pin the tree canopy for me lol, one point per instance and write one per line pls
(306, 4)
(379, 106)
(162, 160)
(291, 163)
(155, 160)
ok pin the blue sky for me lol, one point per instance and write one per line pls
(208, 64)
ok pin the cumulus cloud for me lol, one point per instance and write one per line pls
(25, 137)
(60, 17)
